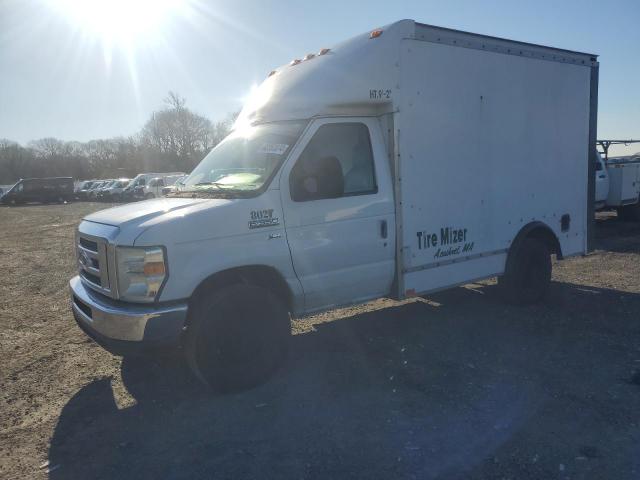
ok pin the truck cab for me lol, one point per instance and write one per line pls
(342, 182)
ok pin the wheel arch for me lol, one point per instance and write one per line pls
(540, 231)
(258, 275)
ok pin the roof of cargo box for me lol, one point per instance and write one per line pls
(359, 76)
(478, 41)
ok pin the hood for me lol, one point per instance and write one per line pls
(140, 212)
(167, 221)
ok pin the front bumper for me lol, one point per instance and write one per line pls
(124, 328)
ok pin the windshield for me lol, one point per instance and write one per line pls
(245, 160)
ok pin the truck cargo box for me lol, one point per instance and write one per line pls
(491, 135)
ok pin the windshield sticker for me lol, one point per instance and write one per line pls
(263, 218)
(274, 148)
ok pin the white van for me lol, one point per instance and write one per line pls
(406, 160)
(154, 187)
(136, 188)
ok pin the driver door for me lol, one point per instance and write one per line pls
(338, 209)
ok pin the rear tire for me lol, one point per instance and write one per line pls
(149, 196)
(528, 273)
(237, 337)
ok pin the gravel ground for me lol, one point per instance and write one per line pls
(456, 385)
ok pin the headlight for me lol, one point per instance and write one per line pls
(140, 271)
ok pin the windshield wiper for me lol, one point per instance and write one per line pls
(215, 184)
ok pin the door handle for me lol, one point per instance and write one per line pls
(383, 229)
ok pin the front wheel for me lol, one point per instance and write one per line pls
(149, 196)
(237, 337)
(528, 273)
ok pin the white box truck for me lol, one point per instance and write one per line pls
(409, 159)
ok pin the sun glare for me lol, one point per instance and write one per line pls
(118, 21)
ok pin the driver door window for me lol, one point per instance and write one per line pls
(337, 162)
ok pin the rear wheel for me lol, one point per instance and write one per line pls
(528, 273)
(237, 337)
(149, 196)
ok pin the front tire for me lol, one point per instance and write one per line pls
(528, 273)
(237, 337)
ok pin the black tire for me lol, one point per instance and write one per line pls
(630, 213)
(528, 273)
(237, 337)
(149, 196)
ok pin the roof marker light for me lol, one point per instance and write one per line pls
(324, 51)
(309, 56)
(272, 73)
(375, 33)
(295, 62)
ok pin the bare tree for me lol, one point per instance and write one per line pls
(174, 138)
(179, 135)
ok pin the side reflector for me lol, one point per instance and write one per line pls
(324, 51)
(375, 33)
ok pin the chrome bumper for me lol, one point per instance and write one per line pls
(125, 322)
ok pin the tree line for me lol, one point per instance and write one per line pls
(173, 139)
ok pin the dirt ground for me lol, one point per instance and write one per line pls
(453, 386)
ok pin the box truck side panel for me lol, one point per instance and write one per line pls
(488, 142)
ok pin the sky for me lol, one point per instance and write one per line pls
(87, 69)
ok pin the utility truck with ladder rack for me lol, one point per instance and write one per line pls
(618, 181)
(405, 160)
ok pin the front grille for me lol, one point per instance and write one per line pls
(92, 262)
(91, 277)
(89, 244)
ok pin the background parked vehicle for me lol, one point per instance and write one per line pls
(618, 183)
(136, 188)
(112, 192)
(172, 188)
(83, 188)
(42, 190)
(92, 192)
(154, 188)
